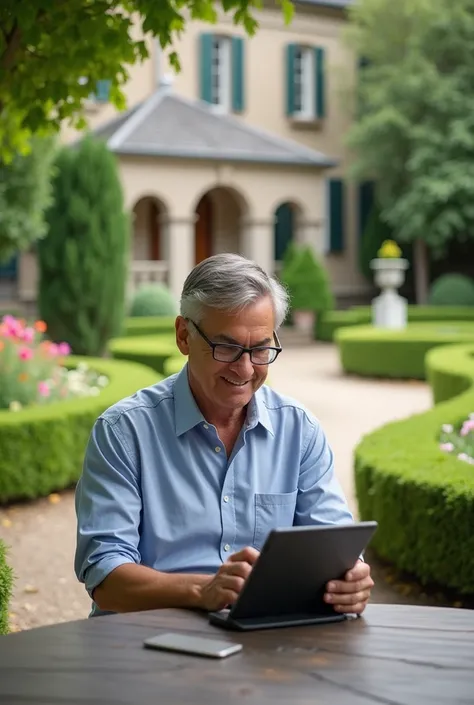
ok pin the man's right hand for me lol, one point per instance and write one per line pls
(224, 587)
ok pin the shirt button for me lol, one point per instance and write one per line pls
(217, 449)
(226, 547)
(226, 499)
(205, 426)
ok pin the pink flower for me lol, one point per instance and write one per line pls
(448, 447)
(25, 353)
(53, 349)
(28, 335)
(43, 389)
(467, 427)
(64, 349)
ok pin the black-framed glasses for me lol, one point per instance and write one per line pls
(231, 352)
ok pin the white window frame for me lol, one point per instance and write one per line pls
(221, 73)
(304, 80)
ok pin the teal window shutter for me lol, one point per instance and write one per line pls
(238, 75)
(102, 91)
(320, 82)
(205, 65)
(366, 203)
(336, 215)
(290, 78)
(283, 232)
(9, 270)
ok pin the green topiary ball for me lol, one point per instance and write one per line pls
(452, 290)
(153, 300)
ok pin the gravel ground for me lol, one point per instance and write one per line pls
(41, 534)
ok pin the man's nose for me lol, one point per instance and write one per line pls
(243, 366)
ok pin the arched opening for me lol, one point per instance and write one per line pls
(220, 213)
(149, 246)
(287, 223)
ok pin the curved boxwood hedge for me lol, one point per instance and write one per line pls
(149, 325)
(375, 352)
(150, 350)
(329, 322)
(174, 364)
(422, 497)
(6, 582)
(42, 448)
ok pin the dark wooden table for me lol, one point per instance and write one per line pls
(394, 655)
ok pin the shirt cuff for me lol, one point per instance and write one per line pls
(98, 572)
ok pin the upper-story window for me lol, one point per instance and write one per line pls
(305, 77)
(221, 74)
(221, 64)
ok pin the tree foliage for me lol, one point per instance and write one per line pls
(53, 53)
(25, 193)
(414, 132)
(83, 261)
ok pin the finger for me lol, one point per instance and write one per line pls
(360, 571)
(358, 608)
(230, 582)
(349, 599)
(247, 555)
(341, 587)
(243, 570)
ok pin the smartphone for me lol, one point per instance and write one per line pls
(190, 644)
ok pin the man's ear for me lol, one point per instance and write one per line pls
(182, 335)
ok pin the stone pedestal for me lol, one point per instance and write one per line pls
(389, 309)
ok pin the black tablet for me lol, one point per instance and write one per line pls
(288, 581)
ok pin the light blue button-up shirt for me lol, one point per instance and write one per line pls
(158, 489)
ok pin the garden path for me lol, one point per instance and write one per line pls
(41, 534)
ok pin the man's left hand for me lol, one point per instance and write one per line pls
(352, 594)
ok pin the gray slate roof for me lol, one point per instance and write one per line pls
(168, 125)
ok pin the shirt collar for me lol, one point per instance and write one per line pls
(188, 414)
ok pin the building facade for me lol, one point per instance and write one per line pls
(242, 151)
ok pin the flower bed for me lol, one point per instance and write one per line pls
(6, 581)
(328, 322)
(421, 495)
(150, 350)
(42, 447)
(376, 352)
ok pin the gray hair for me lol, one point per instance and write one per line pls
(230, 282)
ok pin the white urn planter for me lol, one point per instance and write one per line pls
(389, 309)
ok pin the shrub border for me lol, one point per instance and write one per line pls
(6, 586)
(375, 352)
(42, 447)
(422, 497)
(149, 325)
(149, 350)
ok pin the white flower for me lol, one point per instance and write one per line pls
(94, 391)
(471, 416)
(83, 367)
(15, 406)
(464, 456)
(102, 381)
(447, 428)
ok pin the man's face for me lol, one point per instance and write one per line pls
(228, 386)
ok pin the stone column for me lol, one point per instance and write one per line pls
(181, 252)
(259, 243)
(313, 232)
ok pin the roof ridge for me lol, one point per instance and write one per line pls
(135, 119)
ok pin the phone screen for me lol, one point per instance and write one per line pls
(190, 644)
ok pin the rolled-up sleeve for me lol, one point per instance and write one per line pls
(108, 506)
(320, 496)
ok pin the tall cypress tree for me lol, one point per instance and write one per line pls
(83, 260)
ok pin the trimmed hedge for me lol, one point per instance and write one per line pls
(149, 325)
(422, 497)
(174, 364)
(6, 584)
(150, 350)
(329, 322)
(42, 448)
(399, 354)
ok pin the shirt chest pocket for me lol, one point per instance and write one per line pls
(271, 512)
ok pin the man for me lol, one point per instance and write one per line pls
(183, 481)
